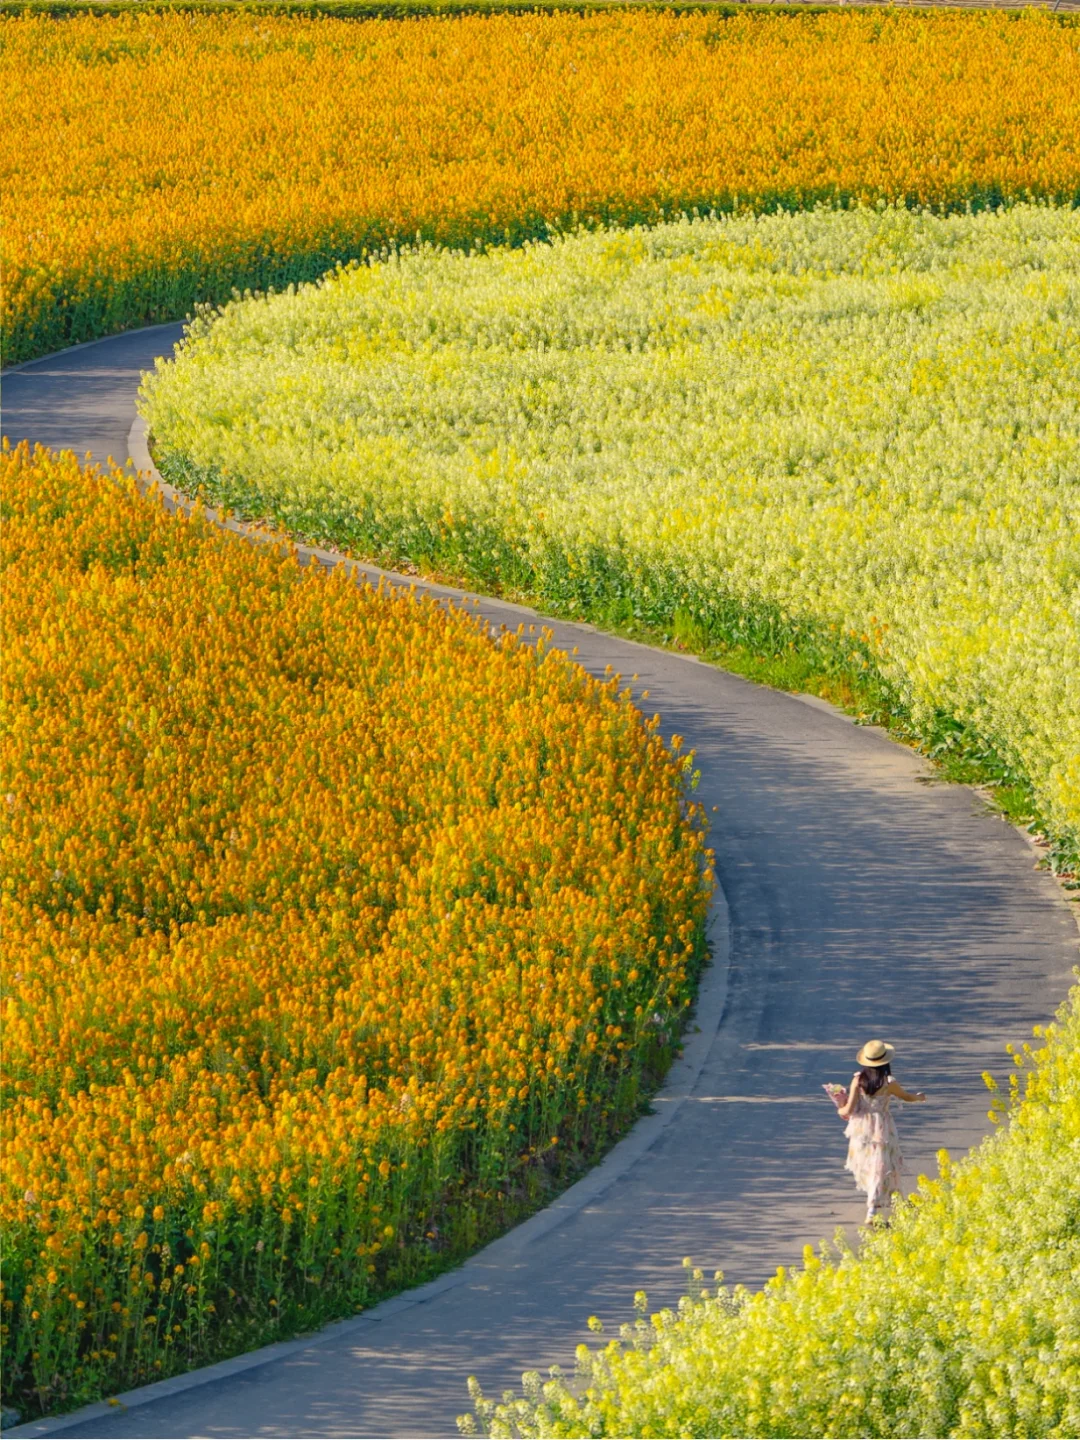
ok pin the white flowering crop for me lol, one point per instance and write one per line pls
(963, 1319)
(851, 429)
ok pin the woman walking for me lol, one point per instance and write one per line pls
(874, 1150)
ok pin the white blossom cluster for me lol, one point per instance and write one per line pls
(962, 1320)
(862, 425)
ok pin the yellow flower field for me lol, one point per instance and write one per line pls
(329, 927)
(151, 161)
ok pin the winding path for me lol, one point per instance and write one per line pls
(862, 898)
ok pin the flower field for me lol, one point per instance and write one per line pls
(337, 933)
(329, 927)
(150, 161)
(854, 430)
(962, 1320)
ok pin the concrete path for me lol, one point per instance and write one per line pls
(863, 899)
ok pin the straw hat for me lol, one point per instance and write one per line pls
(874, 1053)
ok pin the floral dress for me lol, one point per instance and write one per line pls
(874, 1148)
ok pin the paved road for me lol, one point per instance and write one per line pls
(864, 899)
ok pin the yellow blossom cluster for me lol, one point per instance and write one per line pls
(330, 922)
(151, 161)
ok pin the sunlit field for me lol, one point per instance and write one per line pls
(152, 161)
(340, 933)
(855, 430)
(336, 934)
(961, 1320)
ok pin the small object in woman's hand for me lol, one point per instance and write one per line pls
(837, 1094)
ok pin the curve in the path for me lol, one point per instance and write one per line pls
(864, 899)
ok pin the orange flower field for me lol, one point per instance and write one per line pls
(150, 161)
(330, 925)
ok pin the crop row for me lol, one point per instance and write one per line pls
(330, 927)
(152, 161)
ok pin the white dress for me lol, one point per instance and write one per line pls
(874, 1147)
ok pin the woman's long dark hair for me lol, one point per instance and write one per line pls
(874, 1077)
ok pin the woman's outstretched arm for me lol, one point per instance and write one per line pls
(901, 1094)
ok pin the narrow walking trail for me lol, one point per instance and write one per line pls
(860, 898)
